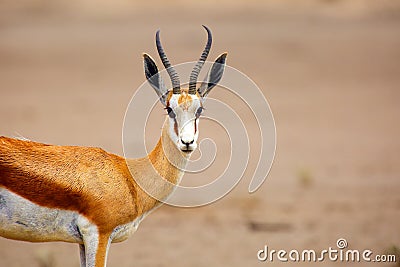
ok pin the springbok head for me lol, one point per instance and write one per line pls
(184, 105)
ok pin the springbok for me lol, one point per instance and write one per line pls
(87, 196)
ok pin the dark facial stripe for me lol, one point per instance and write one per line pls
(176, 127)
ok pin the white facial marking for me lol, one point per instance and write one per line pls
(184, 125)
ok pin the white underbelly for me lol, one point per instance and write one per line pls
(22, 219)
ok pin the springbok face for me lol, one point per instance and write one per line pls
(184, 111)
(184, 106)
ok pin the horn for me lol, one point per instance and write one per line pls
(196, 70)
(176, 84)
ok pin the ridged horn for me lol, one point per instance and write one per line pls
(197, 68)
(176, 84)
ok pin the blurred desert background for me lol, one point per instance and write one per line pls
(330, 70)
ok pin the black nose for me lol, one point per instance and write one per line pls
(187, 143)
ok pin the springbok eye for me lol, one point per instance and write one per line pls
(170, 112)
(199, 111)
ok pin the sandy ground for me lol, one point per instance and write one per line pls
(329, 69)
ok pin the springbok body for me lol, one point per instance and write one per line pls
(88, 196)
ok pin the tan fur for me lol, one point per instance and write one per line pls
(184, 100)
(102, 250)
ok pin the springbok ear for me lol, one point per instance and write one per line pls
(154, 78)
(213, 76)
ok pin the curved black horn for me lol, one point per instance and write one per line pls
(200, 63)
(176, 84)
